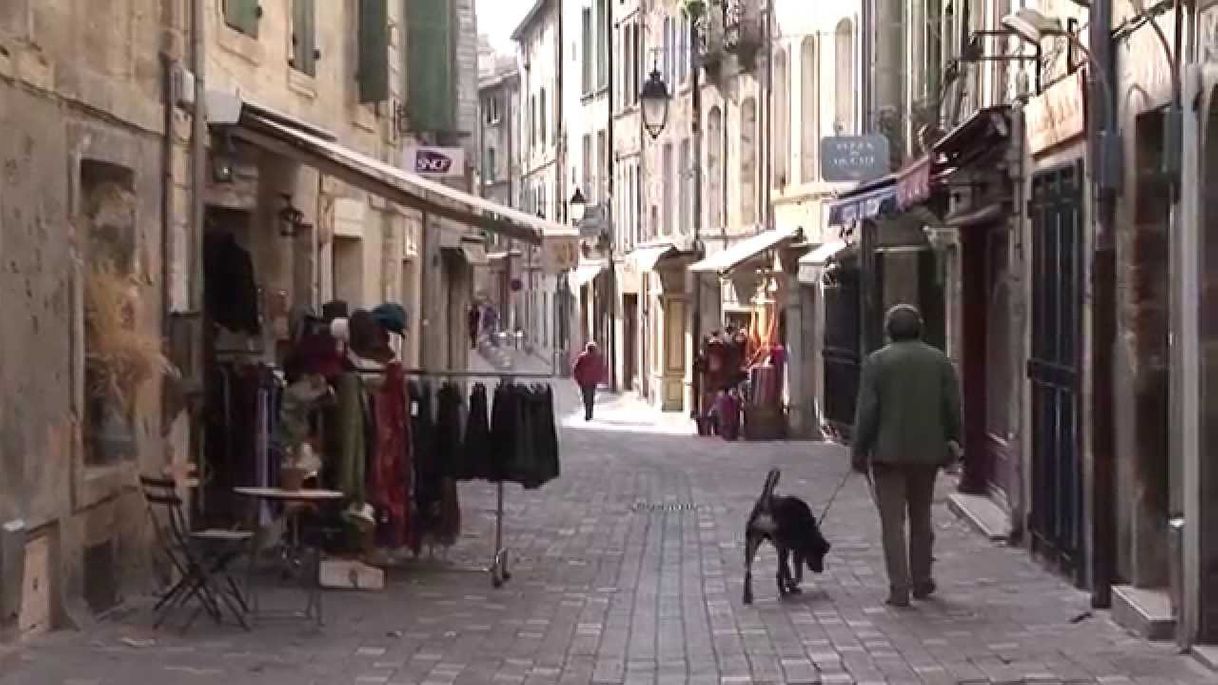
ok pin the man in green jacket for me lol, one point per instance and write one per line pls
(906, 427)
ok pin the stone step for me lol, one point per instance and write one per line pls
(984, 515)
(1144, 611)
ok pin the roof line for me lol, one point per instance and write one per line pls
(528, 19)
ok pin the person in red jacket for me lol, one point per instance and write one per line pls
(588, 372)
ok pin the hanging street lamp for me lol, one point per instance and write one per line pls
(578, 206)
(655, 99)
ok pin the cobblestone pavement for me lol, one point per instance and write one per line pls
(628, 570)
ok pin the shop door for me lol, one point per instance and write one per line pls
(841, 348)
(998, 366)
(1053, 369)
(674, 355)
(630, 335)
(985, 364)
(1207, 630)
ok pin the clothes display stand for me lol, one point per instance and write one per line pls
(498, 569)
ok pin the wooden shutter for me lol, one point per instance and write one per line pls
(431, 100)
(304, 36)
(373, 75)
(243, 15)
(586, 18)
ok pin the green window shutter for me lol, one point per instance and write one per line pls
(431, 99)
(304, 36)
(243, 15)
(373, 73)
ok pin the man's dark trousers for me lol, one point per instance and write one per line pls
(589, 393)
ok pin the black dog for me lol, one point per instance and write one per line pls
(790, 526)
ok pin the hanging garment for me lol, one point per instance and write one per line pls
(428, 485)
(229, 288)
(503, 439)
(450, 408)
(390, 473)
(476, 450)
(542, 464)
(351, 437)
(446, 521)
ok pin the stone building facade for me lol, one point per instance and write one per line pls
(89, 137)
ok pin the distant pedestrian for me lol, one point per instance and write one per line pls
(588, 373)
(490, 322)
(906, 427)
(473, 320)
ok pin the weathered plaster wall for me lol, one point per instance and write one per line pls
(77, 85)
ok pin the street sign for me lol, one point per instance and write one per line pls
(853, 158)
(559, 252)
(436, 162)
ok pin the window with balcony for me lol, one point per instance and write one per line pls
(748, 162)
(782, 118)
(809, 110)
(714, 168)
(843, 68)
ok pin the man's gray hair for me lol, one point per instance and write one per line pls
(903, 322)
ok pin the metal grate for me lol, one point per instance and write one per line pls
(663, 506)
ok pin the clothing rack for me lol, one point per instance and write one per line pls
(499, 561)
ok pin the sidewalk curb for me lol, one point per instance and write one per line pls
(982, 514)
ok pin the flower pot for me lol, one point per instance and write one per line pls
(291, 477)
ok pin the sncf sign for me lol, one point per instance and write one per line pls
(436, 161)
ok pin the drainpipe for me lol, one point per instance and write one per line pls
(611, 155)
(198, 155)
(167, 184)
(696, 181)
(1105, 147)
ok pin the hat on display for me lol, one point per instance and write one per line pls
(368, 338)
(334, 309)
(392, 316)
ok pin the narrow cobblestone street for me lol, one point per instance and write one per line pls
(628, 570)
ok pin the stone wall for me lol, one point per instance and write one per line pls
(81, 107)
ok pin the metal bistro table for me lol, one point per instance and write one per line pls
(292, 552)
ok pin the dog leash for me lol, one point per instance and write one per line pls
(840, 485)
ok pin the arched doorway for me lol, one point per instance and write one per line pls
(1207, 628)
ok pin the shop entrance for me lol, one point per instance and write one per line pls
(1053, 367)
(630, 338)
(986, 360)
(1207, 629)
(841, 353)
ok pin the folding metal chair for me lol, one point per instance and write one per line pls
(201, 558)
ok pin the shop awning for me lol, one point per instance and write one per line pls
(283, 136)
(646, 257)
(864, 202)
(810, 265)
(913, 183)
(474, 253)
(823, 253)
(583, 274)
(726, 260)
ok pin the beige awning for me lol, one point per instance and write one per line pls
(474, 253)
(583, 274)
(646, 257)
(278, 134)
(724, 261)
(810, 265)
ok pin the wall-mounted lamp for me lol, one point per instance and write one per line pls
(291, 220)
(223, 160)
